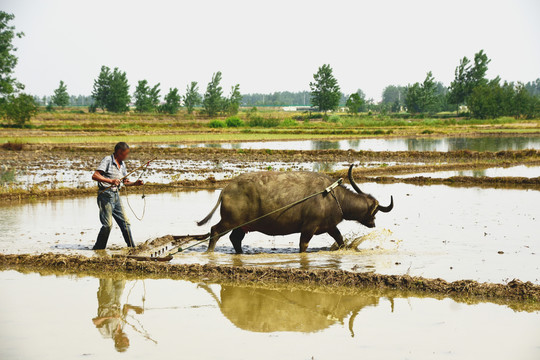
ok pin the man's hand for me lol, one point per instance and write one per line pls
(115, 182)
(138, 183)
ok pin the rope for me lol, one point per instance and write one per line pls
(328, 190)
(143, 196)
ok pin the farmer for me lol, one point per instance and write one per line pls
(109, 175)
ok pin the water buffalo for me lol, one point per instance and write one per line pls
(251, 195)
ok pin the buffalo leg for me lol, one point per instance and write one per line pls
(336, 234)
(304, 241)
(236, 237)
(214, 236)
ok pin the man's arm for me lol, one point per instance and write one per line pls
(98, 176)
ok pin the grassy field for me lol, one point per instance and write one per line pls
(75, 126)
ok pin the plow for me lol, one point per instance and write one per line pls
(163, 248)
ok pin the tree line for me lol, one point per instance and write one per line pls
(470, 89)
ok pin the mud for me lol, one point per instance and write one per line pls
(92, 154)
(514, 290)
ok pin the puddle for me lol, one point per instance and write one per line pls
(433, 231)
(484, 143)
(513, 171)
(56, 317)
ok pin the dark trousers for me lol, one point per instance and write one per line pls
(110, 207)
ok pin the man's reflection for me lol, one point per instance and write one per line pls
(111, 316)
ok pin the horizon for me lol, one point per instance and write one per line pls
(268, 51)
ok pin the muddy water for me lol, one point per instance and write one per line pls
(50, 317)
(485, 143)
(49, 175)
(513, 171)
(435, 231)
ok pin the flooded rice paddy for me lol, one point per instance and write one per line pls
(60, 317)
(512, 171)
(484, 143)
(436, 231)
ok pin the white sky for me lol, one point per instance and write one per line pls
(272, 45)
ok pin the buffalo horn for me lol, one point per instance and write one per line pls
(351, 180)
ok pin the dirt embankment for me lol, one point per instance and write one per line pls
(91, 153)
(106, 266)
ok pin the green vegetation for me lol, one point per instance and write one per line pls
(213, 100)
(355, 103)
(420, 98)
(7, 176)
(111, 90)
(192, 97)
(234, 121)
(232, 104)
(19, 109)
(325, 92)
(15, 107)
(172, 102)
(61, 97)
(146, 97)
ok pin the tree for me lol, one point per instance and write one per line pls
(355, 103)
(61, 97)
(19, 109)
(141, 97)
(8, 60)
(192, 97)
(233, 102)
(101, 89)
(421, 97)
(118, 97)
(213, 101)
(394, 95)
(172, 102)
(467, 76)
(325, 91)
(154, 96)
(111, 90)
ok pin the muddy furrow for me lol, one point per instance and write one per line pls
(515, 290)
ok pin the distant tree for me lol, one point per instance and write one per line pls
(325, 91)
(61, 96)
(111, 90)
(233, 102)
(19, 109)
(421, 97)
(8, 59)
(394, 95)
(533, 87)
(468, 76)
(355, 103)
(213, 101)
(154, 96)
(142, 97)
(101, 89)
(192, 97)
(491, 100)
(172, 102)
(119, 98)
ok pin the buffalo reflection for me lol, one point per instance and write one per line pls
(270, 310)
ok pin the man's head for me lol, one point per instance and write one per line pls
(121, 151)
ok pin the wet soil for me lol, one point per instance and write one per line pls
(74, 264)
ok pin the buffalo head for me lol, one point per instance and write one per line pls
(367, 218)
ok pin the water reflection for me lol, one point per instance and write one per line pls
(483, 143)
(112, 317)
(270, 310)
